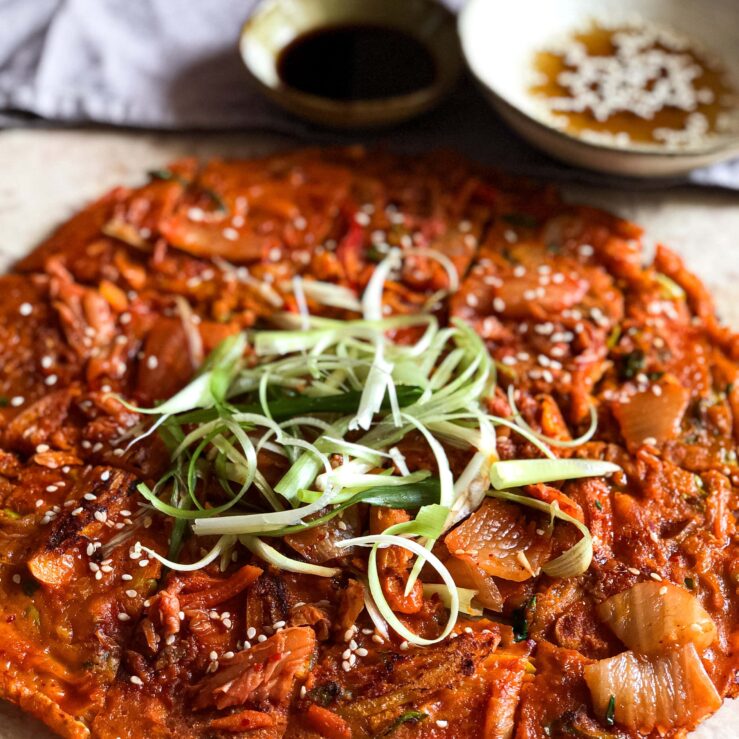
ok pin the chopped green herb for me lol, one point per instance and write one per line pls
(729, 388)
(4, 401)
(519, 620)
(689, 583)
(374, 255)
(324, 695)
(412, 717)
(599, 505)
(10, 513)
(168, 176)
(614, 336)
(521, 219)
(610, 711)
(33, 615)
(632, 364)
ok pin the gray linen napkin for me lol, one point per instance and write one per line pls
(174, 64)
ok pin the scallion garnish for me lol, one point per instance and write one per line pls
(327, 401)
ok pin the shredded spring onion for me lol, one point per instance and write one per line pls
(513, 473)
(329, 403)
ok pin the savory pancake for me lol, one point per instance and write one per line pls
(504, 395)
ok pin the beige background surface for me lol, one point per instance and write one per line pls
(46, 175)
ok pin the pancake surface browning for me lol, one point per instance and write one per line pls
(128, 298)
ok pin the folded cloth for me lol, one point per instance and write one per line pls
(174, 64)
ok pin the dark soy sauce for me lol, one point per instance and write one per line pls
(357, 62)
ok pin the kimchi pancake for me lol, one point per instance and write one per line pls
(346, 444)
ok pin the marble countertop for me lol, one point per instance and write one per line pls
(47, 175)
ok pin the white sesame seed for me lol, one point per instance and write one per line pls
(278, 625)
(18, 400)
(655, 576)
(42, 448)
(303, 691)
(131, 593)
(362, 652)
(17, 579)
(404, 645)
(143, 562)
(261, 638)
(441, 723)
(124, 617)
(251, 632)
(213, 656)
(634, 571)
(136, 680)
(51, 380)
(25, 309)
(125, 576)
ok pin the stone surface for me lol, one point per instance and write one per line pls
(47, 175)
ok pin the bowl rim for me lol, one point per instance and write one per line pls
(727, 145)
(448, 71)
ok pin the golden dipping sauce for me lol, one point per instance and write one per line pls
(633, 84)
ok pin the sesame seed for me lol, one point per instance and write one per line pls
(124, 617)
(18, 400)
(42, 448)
(634, 571)
(655, 576)
(278, 625)
(17, 579)
(663, 590)
(404, 645)
(213, 656)
(125, 576)
(346, 666)
(362, 652)
(441, 723)
(303, 691)
(251, 632)
(377, 639)
(25, 309)
(143, 562)
(51, 380)
(131, 593)
(136, 680)
(261, 638)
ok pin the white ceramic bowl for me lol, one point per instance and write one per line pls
(276, 23)
(499, 41)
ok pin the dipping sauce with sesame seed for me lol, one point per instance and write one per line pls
(357, 62)
(636, 84)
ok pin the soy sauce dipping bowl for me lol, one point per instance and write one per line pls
(277, 23)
